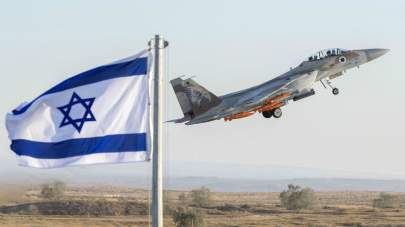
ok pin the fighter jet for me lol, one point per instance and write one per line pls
(200, 105)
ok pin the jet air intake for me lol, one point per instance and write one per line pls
(304, 95)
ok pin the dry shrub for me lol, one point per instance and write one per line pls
(188, 218)
(297, 198)
(183, 199)
(53, 191)
(386, 200)
(201, 197)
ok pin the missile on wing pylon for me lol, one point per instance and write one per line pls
(304, 95)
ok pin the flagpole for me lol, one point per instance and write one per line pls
(158, 44)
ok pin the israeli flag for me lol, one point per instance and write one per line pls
(98, 116)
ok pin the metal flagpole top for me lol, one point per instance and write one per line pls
(158, 44)
(163, 45)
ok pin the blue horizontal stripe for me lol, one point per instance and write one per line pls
(78, 147)
(135, 67)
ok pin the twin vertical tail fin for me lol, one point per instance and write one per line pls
(194, 99)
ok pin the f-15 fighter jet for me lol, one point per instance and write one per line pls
(200, 105)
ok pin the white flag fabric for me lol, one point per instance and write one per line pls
(98, 116)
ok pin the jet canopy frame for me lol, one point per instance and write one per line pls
(326, 53)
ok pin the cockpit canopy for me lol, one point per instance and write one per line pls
(326, 53)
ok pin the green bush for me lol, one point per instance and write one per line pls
(188, 218)
(386, 200)
(53, 191)
(201, 197)
(297, 198)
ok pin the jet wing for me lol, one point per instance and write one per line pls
(288, 86)
(272, 95)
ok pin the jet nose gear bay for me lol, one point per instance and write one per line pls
(200, 105)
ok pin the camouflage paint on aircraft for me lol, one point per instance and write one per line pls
(200, 105)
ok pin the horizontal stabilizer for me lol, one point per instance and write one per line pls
(180, 120)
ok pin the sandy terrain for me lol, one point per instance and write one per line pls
(227, 209)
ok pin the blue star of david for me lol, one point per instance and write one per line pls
(87, 116)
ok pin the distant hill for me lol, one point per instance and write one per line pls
(226, 177)
(320, 184)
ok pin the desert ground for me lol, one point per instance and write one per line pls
(119, 206)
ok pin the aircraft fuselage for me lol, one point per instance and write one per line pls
(297, 83)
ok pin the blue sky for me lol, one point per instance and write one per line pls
(228, 45)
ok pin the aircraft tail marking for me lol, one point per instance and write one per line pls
(193, 98)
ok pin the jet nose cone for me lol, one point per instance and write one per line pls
(375, 53)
